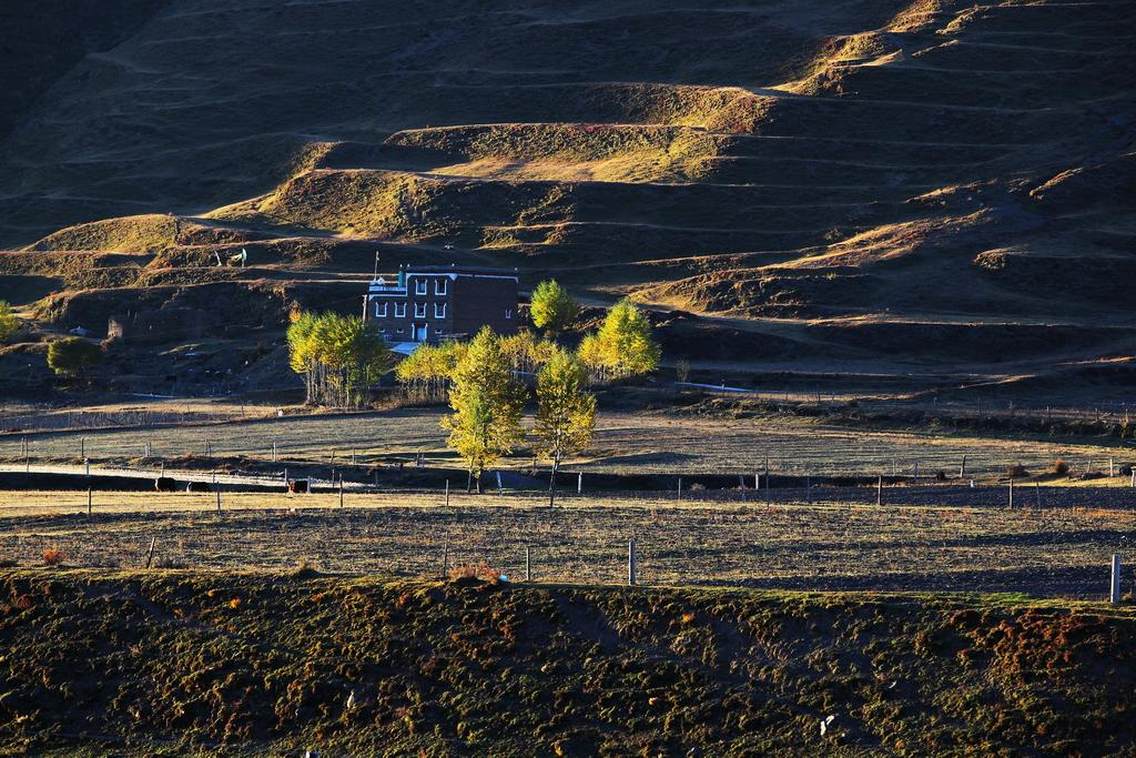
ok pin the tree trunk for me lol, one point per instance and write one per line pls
(552, 482)
(469, 481)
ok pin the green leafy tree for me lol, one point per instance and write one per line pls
(566, 413)
(8, 321)
(624, 345)
(72, 356)
(340, 357)
(552, 308)
(487, 403)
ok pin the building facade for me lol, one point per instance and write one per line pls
(435, 303)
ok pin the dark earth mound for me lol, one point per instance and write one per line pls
(175, 662)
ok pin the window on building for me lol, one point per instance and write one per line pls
(419, 286)
(439, 310)
(380, 310)
(440, 286)
(508, 314)
(420, 310)
(400, 310)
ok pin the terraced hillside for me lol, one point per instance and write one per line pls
(900, 184)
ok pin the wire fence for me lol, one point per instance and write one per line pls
(832, 544)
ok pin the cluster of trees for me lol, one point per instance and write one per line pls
(426, 373)
(340, 357)
(487, 399)
(484, 381)
(623, 345)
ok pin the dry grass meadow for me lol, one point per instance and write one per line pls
(625, 443)
(823, 546)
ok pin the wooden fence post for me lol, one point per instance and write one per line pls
(808, 488)
(1114, 583)
(447, 493)
(579, 482)
(340, 491)
(218, 501)
(150, 552)
(1037, 489)
(445, 560)
(631, 563)
(680, 488)
(89, 499)
(1011, 492)
(528, 564)
(962, 468)
(880, 490)
(274, 451)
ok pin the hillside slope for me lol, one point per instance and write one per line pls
(842, 177)
(172, 662)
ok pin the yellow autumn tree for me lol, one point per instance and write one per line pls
(487, 403)
(566, 413)
(624, 345)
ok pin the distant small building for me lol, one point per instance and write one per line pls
(434, 303)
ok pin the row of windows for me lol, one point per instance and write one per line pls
(420, 286)
(400, 310)
(381, 307)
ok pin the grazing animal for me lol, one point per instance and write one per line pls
(297, 486)
(198, 487)
(165, 484)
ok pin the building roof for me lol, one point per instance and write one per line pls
(453, 268)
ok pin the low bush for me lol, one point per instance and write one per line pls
(480, 572)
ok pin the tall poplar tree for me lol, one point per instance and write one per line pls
(566, 413)
(487, 403)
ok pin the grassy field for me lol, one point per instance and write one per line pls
(626, 443)
(827, 546)
(275, 663)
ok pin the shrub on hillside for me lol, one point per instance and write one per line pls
(1060, 468)
(8, 321)
(72, 356)
(480, 572)
(53, 556)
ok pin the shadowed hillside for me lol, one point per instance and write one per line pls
(848, 176)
